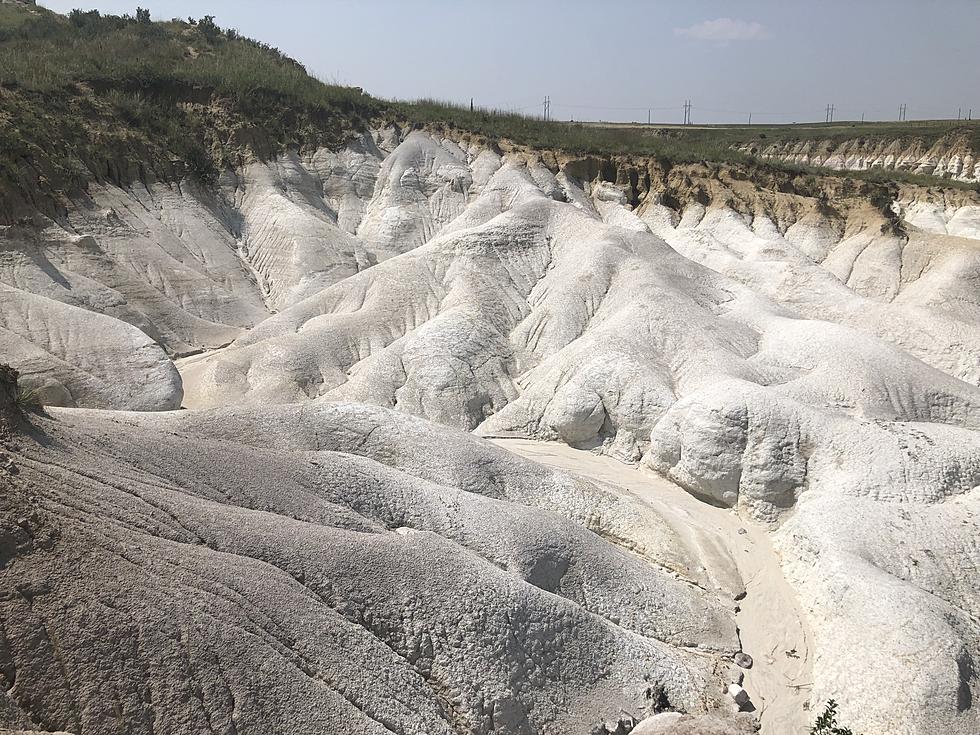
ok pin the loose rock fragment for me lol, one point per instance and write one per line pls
(738, 695)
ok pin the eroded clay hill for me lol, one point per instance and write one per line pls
(339, 321)
(951, 156)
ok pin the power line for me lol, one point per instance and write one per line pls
(831, 114)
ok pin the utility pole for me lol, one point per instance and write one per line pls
(687, 112)
(648, 116)
(830, 114)
(959, 113)
(547, 107)
(862, 118)
(902, 112)
(471, 104)
(750, 118)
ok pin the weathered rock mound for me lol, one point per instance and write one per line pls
(319, 570)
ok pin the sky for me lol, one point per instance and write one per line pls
(781, 60)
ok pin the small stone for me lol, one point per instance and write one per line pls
(623, 725)
(743, 660)
(740, 596)
(742, 532)
(739, 695)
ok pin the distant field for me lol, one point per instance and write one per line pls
(928, 131)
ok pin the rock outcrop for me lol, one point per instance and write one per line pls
(323, 569)
(804, 353)
(951, 156)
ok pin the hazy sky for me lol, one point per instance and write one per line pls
(783, 60)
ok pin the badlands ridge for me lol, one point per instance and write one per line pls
(952, 156)
(722, 413)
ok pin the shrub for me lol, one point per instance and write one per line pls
(826, 723)
(28, 399)
(209, 28)
(81, 18)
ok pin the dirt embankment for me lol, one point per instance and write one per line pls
(953, 156)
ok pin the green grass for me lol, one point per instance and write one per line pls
(115, 98)
(678, 145)
(578, 138)
(28, 399)
(110, 97)
(706, 142)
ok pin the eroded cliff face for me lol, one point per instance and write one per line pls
(952, 157)
(801, 349)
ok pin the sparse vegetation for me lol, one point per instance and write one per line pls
(826, 723)
(571, 137)
(28, 399)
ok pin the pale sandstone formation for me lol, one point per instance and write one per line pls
(319, 569)
(949, 157)
(76, 358)
(810, 363)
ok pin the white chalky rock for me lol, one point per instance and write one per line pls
(248, 554)
(812, 364)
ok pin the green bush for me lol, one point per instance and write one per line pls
(210, 30)
(826, 723)
(28, 399)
